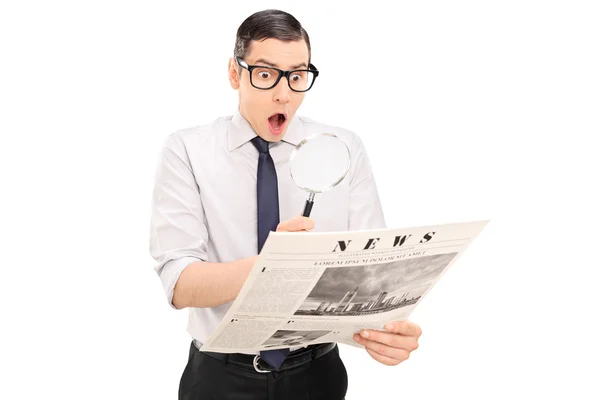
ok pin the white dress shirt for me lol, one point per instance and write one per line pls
(204, 199)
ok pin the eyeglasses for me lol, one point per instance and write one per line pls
(265, 78)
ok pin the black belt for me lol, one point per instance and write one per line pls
(293, 360)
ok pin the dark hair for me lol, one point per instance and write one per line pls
(267, 24)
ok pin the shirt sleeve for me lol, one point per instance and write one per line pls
(365, 210)
(178, 233)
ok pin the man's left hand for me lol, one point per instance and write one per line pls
(392, 346)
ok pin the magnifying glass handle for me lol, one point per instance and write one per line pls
(307, 208)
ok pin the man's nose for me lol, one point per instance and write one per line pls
(281, 92)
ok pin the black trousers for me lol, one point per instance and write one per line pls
(208, 378)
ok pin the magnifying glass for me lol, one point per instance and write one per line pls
(319, 163)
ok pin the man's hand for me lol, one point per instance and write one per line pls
(392, 346)
(296, 224)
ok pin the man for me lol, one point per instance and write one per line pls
(219, 190)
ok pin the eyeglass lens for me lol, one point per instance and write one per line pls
(265, 78)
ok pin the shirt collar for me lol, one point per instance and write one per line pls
(239, 131)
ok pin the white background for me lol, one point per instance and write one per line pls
(469, 110)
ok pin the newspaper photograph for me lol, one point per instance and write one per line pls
(321, 287)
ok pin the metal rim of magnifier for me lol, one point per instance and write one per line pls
(308, 139)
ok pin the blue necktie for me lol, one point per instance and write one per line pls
(267, 202)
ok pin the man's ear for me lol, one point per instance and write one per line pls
(234, 78)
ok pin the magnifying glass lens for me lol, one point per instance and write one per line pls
(318, 164)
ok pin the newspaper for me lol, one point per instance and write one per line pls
(311, 287)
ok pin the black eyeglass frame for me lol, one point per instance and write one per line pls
(281, 73)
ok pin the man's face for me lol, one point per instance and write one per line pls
(270, 111)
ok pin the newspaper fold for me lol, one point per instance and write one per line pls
(311, 287)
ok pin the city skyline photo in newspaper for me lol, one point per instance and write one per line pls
(373, 288)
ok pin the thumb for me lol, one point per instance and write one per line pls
(296, 224)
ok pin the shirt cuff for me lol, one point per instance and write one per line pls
(169, 274)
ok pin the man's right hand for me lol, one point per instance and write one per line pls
(296, 224)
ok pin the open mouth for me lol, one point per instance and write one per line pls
(276, 123)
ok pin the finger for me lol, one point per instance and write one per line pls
(384, 359)
(409, 343)
(383, 349)
(404, 328)
(296, 224)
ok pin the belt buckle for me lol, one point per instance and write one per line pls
(256, 367)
